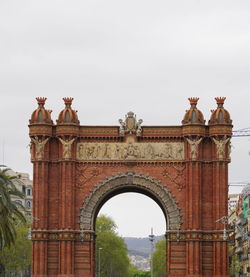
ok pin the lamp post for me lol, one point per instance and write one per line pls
(99, 262)
(151, 239)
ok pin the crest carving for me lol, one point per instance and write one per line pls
(130, 125)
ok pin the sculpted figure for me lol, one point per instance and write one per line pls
(150, 152)
(106, 153)
(168, 151)
(179, 151)
(138, 126)
(66, 147)
(97, 151)
(90, 151)
(132, 151)
(117, 152)
(122, 127)
(80, 151)
(220, 147)
(194, 147)
(40, 144)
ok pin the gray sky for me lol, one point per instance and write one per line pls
(116, 56)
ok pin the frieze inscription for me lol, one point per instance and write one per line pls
(130, 151)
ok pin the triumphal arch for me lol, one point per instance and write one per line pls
(78, 168)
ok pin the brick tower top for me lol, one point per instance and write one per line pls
(220, 115)
(68, 115)
(41, 115)
(193, 115)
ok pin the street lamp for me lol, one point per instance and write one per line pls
(151, 239)
(99, 262)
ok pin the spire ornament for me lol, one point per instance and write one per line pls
(41, 101)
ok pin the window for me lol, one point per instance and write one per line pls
(193, 116)
(28, 204)
(28, 191)
(220, 116)
(67, 116)
(40, 116)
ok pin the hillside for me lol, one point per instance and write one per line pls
(140, 246)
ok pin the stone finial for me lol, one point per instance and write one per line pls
(220, 101)
(193, 100)
(68, 100)
(41, 101)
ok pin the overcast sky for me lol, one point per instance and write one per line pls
(117, 56)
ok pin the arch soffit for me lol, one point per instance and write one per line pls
(139, 182)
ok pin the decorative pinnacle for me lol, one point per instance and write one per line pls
(41, 101)
(220, 100)
(68, 101)
(130, 114)
(193, 100)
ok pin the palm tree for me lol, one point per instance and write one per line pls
(10, 212)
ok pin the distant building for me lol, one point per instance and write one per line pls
(232, 201)
(140, 262)
(23, 184)
(239, 219)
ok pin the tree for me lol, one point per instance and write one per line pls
(159, 259)
(10, 211)
(111, 249)
(234, 263)
(16, 259)
(134, 272)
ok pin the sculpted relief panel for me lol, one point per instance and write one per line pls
(130, 151)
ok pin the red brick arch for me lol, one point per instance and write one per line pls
(129, 182)
(78, 168)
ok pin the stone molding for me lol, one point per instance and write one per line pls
(130, 181)
(194, 235)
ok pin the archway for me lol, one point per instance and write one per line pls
(130, 217)
(129, 182)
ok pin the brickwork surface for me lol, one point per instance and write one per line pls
(190, 186)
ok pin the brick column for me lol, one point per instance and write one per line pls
(220, 192)
(40, 214)
(193, 219)
(66, 219)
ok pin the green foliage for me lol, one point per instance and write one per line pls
(134, 272)
(10, 213)
(159, 259)
(105, 224)
(234, 265)
(114, 260)
(16, 259)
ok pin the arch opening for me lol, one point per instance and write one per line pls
(135, 213)
(129, 182)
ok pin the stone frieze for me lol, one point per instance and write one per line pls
(130, 151)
